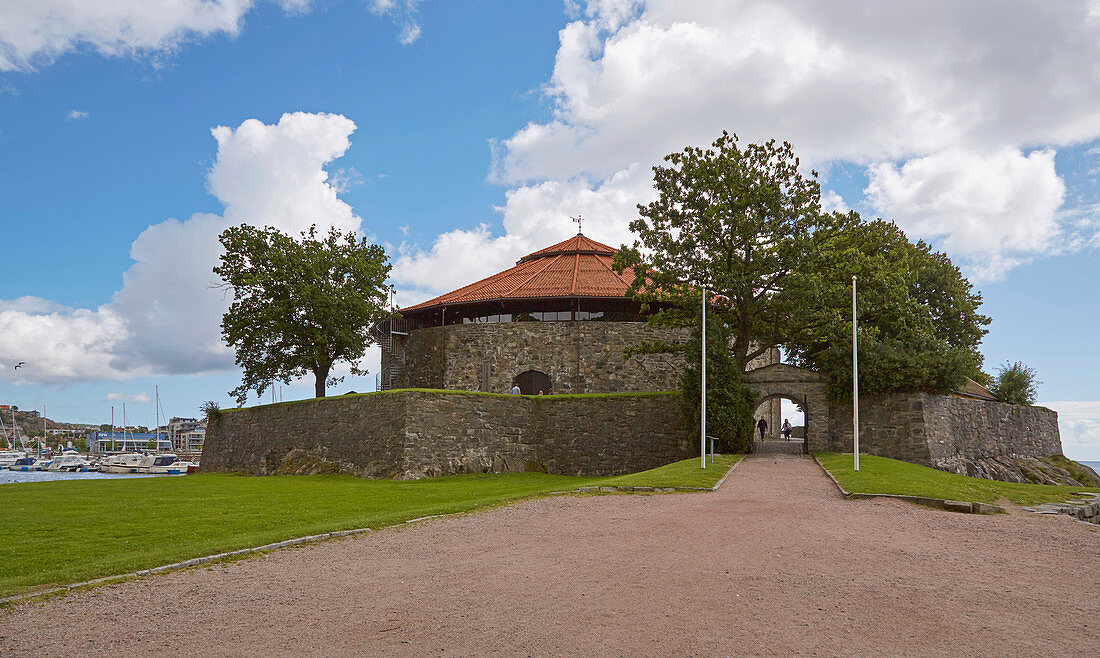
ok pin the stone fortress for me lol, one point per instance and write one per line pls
(557, 323)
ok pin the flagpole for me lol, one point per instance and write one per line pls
(855, 382)
(703, 411)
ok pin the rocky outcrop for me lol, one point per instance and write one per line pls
(1024, 469)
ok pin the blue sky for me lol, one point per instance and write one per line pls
(463, 135)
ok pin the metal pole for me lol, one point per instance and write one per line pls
(855, 382)
(703, 406)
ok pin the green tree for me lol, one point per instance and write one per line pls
(746, 224)
(741, 222)
(299, 305)
(918, 317)
(730, 403)
(1015, 383)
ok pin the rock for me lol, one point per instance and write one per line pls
(958, 506)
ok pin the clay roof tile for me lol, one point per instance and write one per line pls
(577, 267)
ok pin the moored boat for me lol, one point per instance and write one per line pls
(71, 461)
(23, 464)
(124, 463)
(166, 464)
(8, 457)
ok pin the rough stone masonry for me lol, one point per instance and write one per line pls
(412, 434)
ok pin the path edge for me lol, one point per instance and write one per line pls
(966, 507)
(633, 489)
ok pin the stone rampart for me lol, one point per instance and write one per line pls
(979, 438)
(411, 434)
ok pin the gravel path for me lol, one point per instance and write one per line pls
(776, 562)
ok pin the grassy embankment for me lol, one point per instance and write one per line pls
(890, 476)
(54, 533)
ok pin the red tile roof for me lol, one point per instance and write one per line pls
(577, 267)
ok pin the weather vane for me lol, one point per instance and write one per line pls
(578, 219)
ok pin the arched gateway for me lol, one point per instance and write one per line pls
(804, 387)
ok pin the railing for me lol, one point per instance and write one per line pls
(390, 334)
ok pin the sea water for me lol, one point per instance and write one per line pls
(9, 477)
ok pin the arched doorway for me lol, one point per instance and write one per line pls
(804, 388)
(778, 408)
(533, 382)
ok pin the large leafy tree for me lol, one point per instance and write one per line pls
(299, 305)
(741, 221)
(918, 317)
(746, 224)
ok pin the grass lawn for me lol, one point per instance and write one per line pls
(54, 533)
(684, 473)
(890, 476)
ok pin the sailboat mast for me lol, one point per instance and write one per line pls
(156, 428)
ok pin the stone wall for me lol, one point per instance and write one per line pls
(411, 434)
(971, 437)
(363, 435)
(579, 357)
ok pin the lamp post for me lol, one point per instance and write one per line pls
(855, 382)
(703, 407)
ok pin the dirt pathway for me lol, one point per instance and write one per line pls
(773, 563)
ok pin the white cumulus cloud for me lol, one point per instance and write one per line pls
(34, 33)
(534, 216)
(995, 210)
(1079, 424)
(140, 398)
(981, 88)
(76, 115)
(166, 317)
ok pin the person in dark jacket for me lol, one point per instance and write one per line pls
(762, 425)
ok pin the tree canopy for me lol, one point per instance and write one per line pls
(746, 224)
(741, 222)
(918, 320)
(299, 305)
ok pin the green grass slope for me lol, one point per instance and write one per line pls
(890, 476)
(684, 473)
(71, 531)
(55, 533)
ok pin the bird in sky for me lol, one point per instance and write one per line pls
(19, 364)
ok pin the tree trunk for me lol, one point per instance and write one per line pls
(321, 375)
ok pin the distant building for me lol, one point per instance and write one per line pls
(186, 434)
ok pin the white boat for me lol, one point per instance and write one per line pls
(69, 460)
(8, 457)
(23, 464)
(167, 464)
(124, 463)
(43, 464)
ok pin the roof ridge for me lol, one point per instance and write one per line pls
(548, 264)
(576, 266)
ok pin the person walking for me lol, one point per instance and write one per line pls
(762, 425)
(786, 429)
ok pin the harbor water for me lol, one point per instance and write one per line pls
(10, 477)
